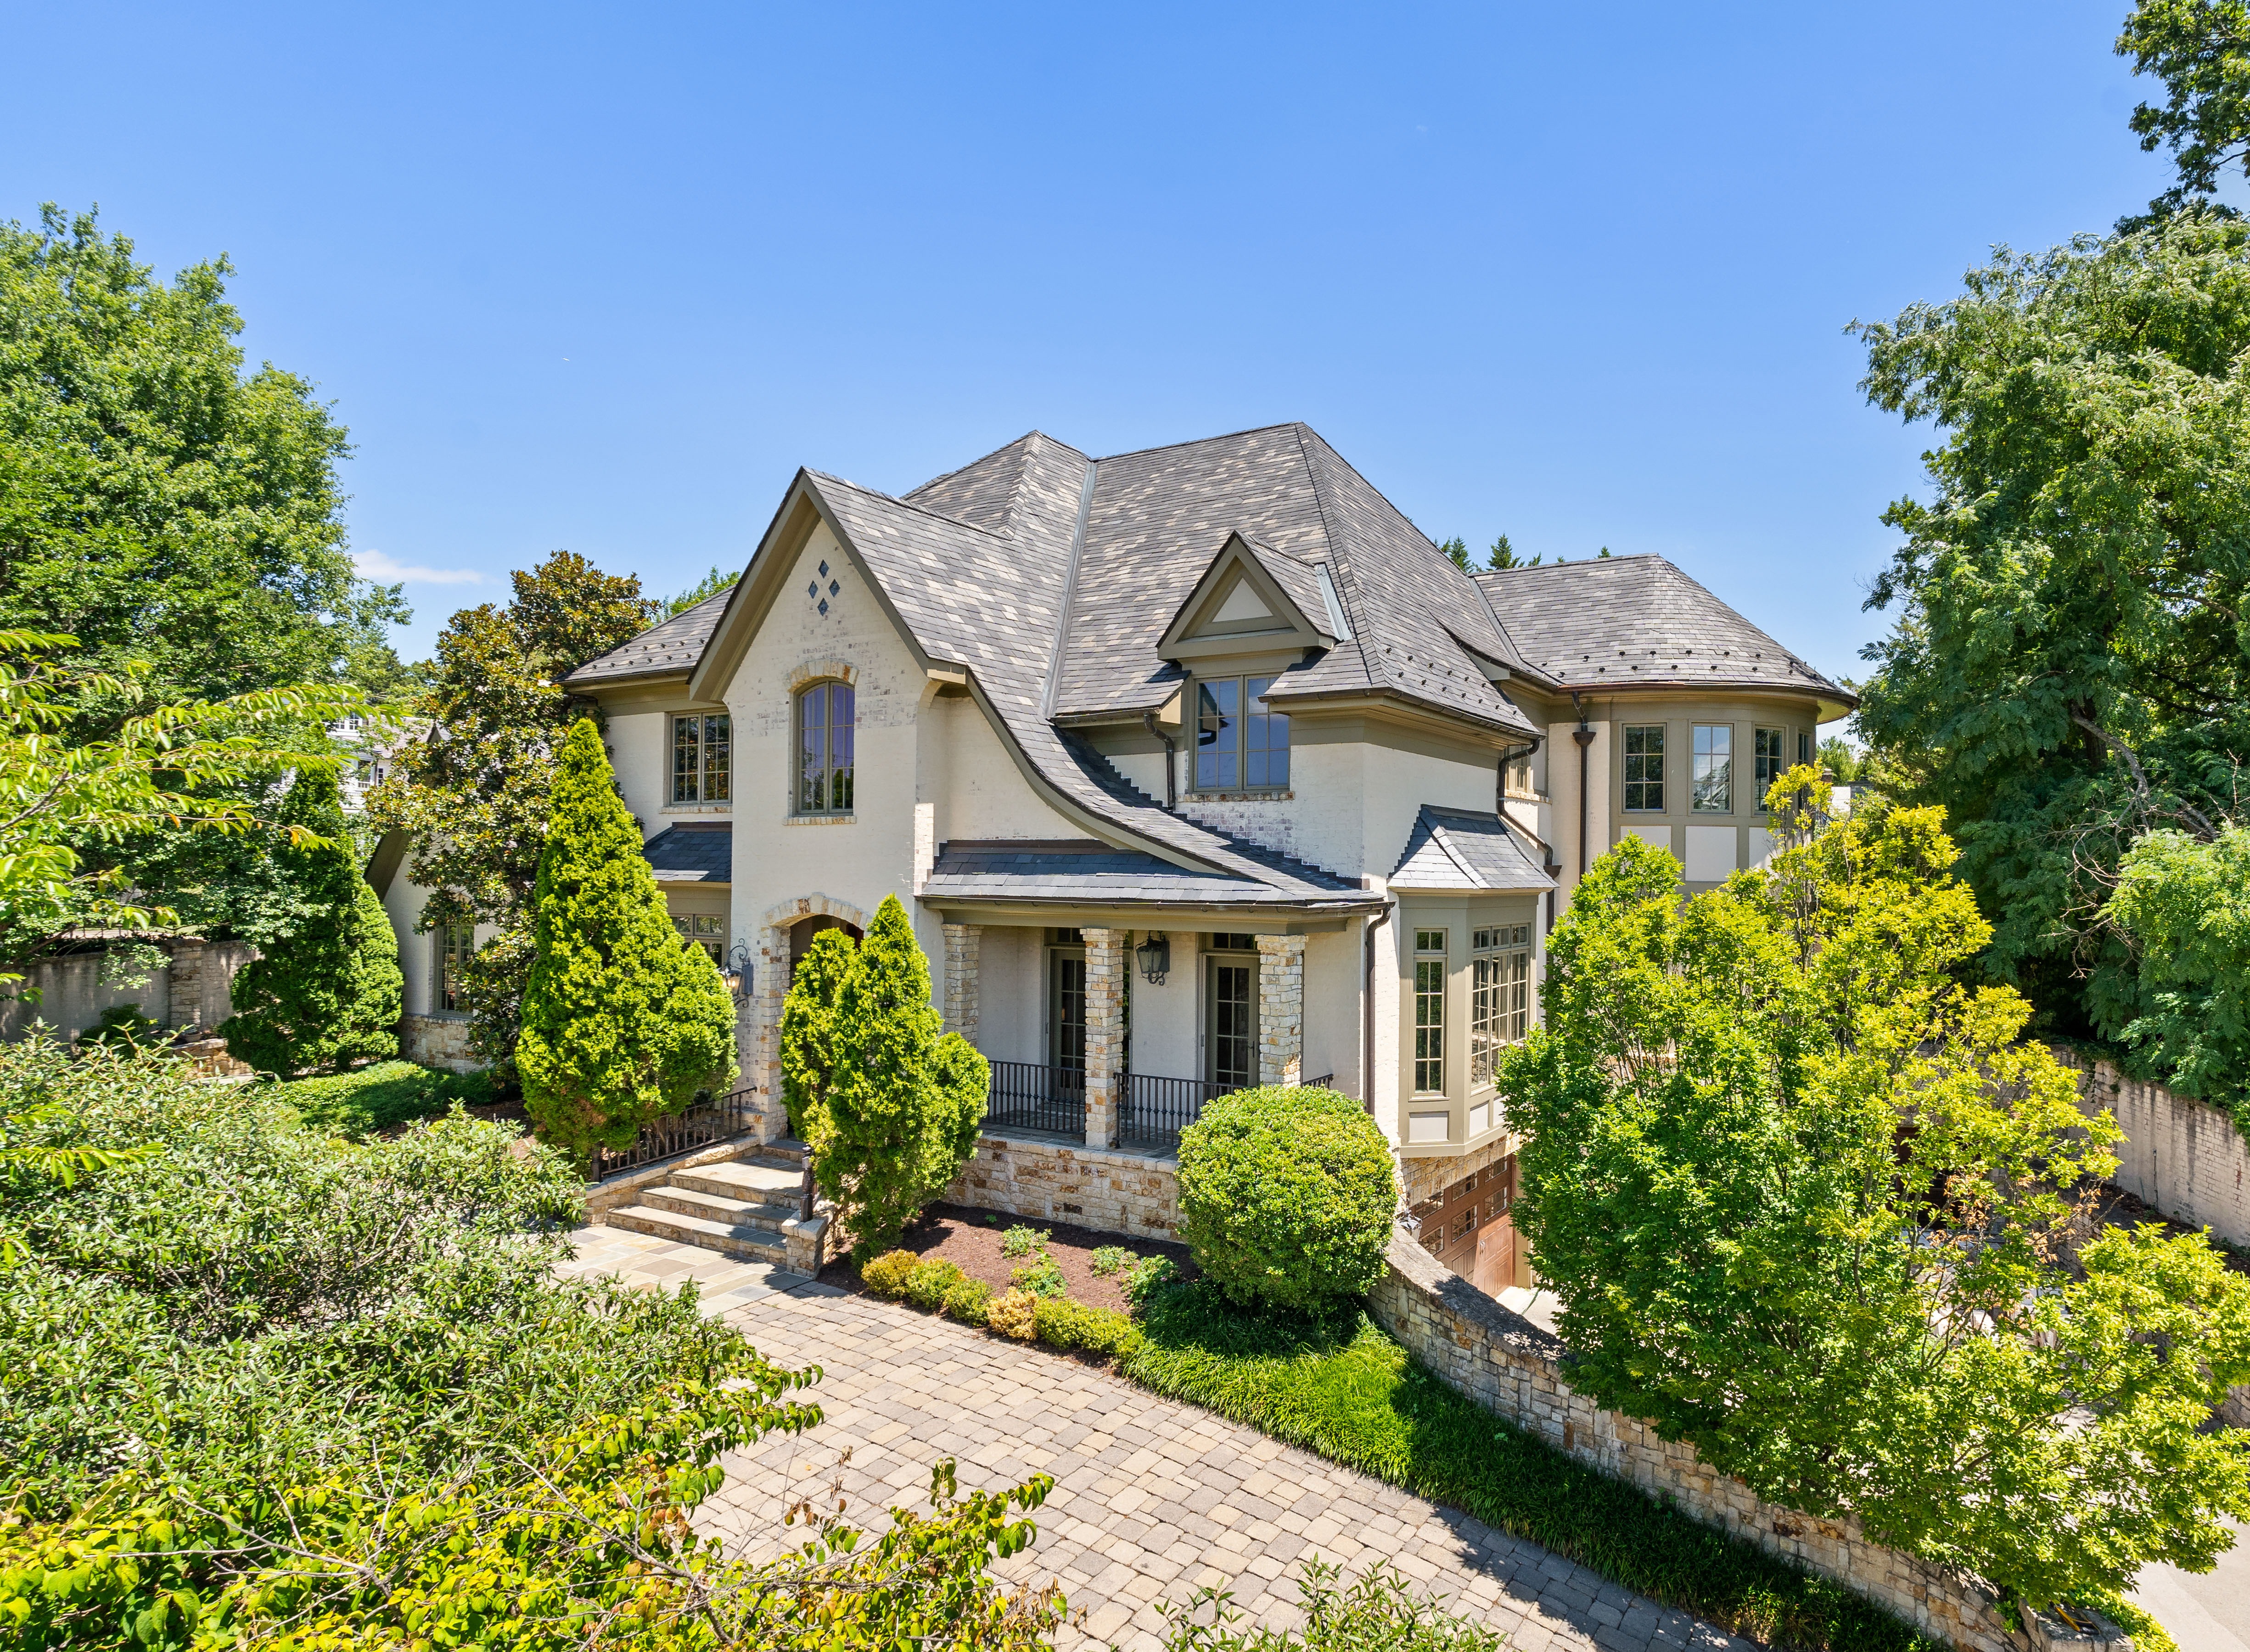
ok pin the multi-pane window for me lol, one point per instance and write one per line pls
(1241, 745)
(823, 749)
(1500, 995)
(1770, 764)
(1804, 745)
(1713, 791)
(456, 941)
(699, 758)
(1644, 766)
(706, 931)
(1429, 1011)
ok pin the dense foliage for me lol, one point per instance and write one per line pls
(328, 992)
(379, 1098)
(888, 1103)
(1286, 1196)
(66, 796)
(2200, 49)
(259, 1387)
(1339, 1386)
(623, 1020)
(1819, 1211)
(1379, 1611)
(471, 793)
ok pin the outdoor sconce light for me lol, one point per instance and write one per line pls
(1155, 955)
(738, 967)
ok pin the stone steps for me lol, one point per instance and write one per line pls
(747, 1207)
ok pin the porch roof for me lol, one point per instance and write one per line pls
(1464, 849)
(1084, 872)
(693, 851)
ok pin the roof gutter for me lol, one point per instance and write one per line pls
(1171, 758)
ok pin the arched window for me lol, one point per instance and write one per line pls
(823, 749)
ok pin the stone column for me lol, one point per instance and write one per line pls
(185, 982)
(1280, 1009)
(964, 946)
(1106, 958)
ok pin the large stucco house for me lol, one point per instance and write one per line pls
(1197, 767)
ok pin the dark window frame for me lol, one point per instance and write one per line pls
(1644, 769)
(1238, 747)
(820, 784)
(702, 753)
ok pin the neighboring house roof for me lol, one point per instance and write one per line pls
(693, 851)
(1614, 622)
(1462, 849)
(1079, 872)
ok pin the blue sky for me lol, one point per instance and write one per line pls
(603, 278)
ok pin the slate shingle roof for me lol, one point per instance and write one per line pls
(697, 853)
(1462, 849)
(1638, 621)
(673, 646)
(1085, 872)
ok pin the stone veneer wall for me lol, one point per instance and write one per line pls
(1419, 1179)
(1505, 1362)
(2184, 1156)
(437, 1040)
(1049, 1180)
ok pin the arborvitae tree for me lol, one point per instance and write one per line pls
(623, 1020)
(903, 1103)
(330, 993)
(808, 1025)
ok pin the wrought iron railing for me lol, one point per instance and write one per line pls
(1029, 1096)
(699, 1126)
(1155, 1110)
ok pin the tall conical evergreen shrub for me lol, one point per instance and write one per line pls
(623, 1020)
(330, 993)
(903, 1103)
(808, 1024)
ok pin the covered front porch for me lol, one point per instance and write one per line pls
(1118, 1037)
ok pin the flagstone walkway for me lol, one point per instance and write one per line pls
(1153, 1498)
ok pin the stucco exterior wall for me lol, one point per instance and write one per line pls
(188, 987)
(1332, 1009)
(2182, 1156)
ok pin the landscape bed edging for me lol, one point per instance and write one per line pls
(1510, 1365)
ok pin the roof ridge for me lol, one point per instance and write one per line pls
(1197, 441)
(1340, 563)
(909, 504)
(947, 475)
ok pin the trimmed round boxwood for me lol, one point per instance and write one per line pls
(1287, 1197)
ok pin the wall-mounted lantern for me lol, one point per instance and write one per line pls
(738, 971)
(1154, 956)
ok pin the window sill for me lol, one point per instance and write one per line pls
(697, 808)
(1252, 795)
(818, 819)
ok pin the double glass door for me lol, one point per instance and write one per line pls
(1231, 1020)
(1067, 1013)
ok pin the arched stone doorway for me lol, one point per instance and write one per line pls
(783, 933)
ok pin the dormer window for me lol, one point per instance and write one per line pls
(700, 758)
(825, 718)
(1241, 743)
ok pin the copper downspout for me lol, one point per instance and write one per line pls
(1171, 756)
(1585, 736)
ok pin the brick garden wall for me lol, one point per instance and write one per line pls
(1505, 1362)
(1054, 1181)
(2184, 1156)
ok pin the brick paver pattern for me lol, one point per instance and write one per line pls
(1154, 1498)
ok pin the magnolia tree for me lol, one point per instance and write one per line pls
(1815, 1207)
(623, 1020)
(889, 1105)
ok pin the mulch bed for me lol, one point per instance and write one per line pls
(970, 1239)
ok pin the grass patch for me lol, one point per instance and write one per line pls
(1345, 1390)
(380, 1097)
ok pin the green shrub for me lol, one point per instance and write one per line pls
(926, 1285)
(380, 1097)
(968, 1301)
(1287, 1197)
(1014, 1313)
(123, 1027)
(1062, 1322)
(887, 1274)
(1040, 1276)
(1021, 1240)
(1149, 1277)
(1381, 1611)
(1113, 1259)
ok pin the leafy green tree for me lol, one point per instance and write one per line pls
(328, 993)
(156, 502)
(623, 1020)
(2200, 49)
(2183, 903)
(2067, 670)
(702, 591)
(1838, 759)
(808, 1025)
(473, 793)
(1504, 555)
(66, 797)
(1812, 1206)
(902, 1106)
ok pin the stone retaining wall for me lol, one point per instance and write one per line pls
(1049, 1180)
(437, 1040)
(2184, 1156)
(1505, 1362)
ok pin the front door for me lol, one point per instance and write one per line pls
(1230, 1021)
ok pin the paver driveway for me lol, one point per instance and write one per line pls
(1154, 1498)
